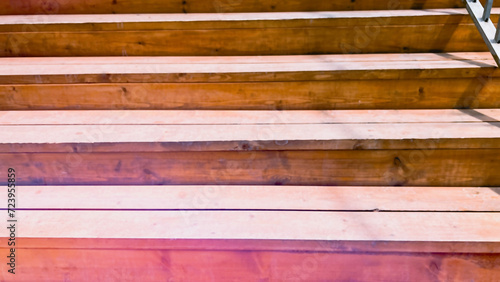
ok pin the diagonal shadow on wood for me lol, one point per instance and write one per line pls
(488, 119)
(496, 190)
(482, 117)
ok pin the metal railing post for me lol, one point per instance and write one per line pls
(487, 10)
(481, 17)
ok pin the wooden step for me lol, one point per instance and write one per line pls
(258, 225)
(316, 82)
(24, 7)
(258, 152)
(188, 260)
(300, 228)
(385, 170)
(258, 198)
(233, 34)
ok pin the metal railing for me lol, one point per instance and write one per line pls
(481, 18)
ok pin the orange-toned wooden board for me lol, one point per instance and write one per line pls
(319, 198)
(405, 81)
(240, 34)
(216, 6)
(480, 92)
(199, 265)
(443, 167)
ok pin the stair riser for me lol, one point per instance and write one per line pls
(307, 95)
(328, 38)
(290, 265)
(465, 167)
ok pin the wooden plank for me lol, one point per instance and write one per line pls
(61, 134)
(12, 67)
(476, 92)
(425, 146)
(405, 81)
(452, 167)
(244, 68)
(258, 198)
(148, 21)
(23, 7)
(180, 265)
(245, 117)
(325, 72)
(281, 225)
(322, 246)
(445, 30)
(233, 137)
(408, 58)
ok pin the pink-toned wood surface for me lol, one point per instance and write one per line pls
(320, 246)
(319, 198)
(225, 67)
(147, 131)
(179, 265)
(313, 133)
(176, 117)
(199, 265)
(279, 225)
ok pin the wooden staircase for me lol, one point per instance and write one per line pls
(249, 141)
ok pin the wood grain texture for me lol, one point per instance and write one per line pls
(319, 198)
(199, 265)
(243, 68)
(251, 137)
(447, 30)
(407, 81)
(199, 6)
(446, 167)
(309, 95)
(322, 246)
(170, 131)
(128, 196)
(281, 225)
(279, 133)
(173, 117)
(138, 21)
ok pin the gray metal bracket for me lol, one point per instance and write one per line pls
(481, 18)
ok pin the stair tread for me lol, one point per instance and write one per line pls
(286, 198)
(164, 185)
(61, 19)
(279, 225)
(226, 69)
(257, 60)
(201, 6)
(301, 82)
(223, 130)
(242, 117)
